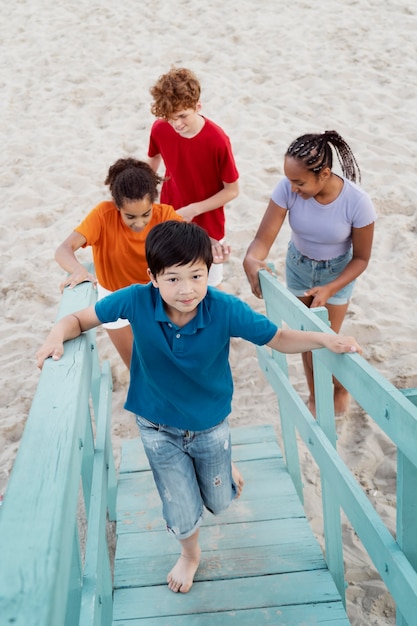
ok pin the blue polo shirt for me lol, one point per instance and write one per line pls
(181, 376)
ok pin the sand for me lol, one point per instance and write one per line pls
(75, 82)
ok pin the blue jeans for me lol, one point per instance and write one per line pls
(191, 469)
(303, 273)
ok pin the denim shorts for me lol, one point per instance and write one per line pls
(303, 273)
(191, 469)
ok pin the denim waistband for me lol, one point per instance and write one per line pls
(319, 264)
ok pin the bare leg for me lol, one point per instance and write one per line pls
(122, 339)
(308, 369)
(181, 577)
(340, 394)
(238, 478)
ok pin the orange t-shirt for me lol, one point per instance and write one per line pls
(118, 251)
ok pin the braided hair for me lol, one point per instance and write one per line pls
(315, 153)
(130, 179)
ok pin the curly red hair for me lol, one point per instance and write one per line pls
(176, 90)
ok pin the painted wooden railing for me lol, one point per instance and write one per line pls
(50, 577)
(52, 573)
(395, 413)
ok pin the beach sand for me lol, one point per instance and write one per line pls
(75, 82)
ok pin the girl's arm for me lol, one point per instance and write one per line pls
(258, 250)
(65, 257)
(362, 245)
(155, 162)
(66, 328)
(291, 341)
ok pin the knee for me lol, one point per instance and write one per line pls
(220, 496)
(215, 508)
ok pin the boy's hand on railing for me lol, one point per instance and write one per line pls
(290, 341)
(51, 348)
(68, 327)
(341, 344)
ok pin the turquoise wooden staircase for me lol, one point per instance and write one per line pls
(261, 563)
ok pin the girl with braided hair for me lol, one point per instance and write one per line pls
(332, 225)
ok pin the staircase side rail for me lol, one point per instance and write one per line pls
(41, 568)
(388, 406)
(97, 586)
(391, 408)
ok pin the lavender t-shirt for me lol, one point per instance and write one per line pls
(324, 231)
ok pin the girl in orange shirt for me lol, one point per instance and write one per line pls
(116, 230)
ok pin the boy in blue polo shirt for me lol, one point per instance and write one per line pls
(181, 384)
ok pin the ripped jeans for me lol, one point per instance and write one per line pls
(191, 469)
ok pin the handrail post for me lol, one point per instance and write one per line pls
(407, 504)
(332, 525)
(289, 434)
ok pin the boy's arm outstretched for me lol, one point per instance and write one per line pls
(293, 341)
(68, 327)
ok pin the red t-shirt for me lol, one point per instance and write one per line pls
(118, 251)
(196, 169)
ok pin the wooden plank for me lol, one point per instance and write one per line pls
(225, 595)
(233, 536)
(223, 564)
(253, 434)
(323, 614)
(231, 551)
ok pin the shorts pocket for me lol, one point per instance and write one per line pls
(339, 264)
(142, 422)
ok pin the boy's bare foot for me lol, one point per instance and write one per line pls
(181, 577)
(238, 479)
(341, 401)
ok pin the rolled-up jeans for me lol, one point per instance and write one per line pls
(191, 469)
